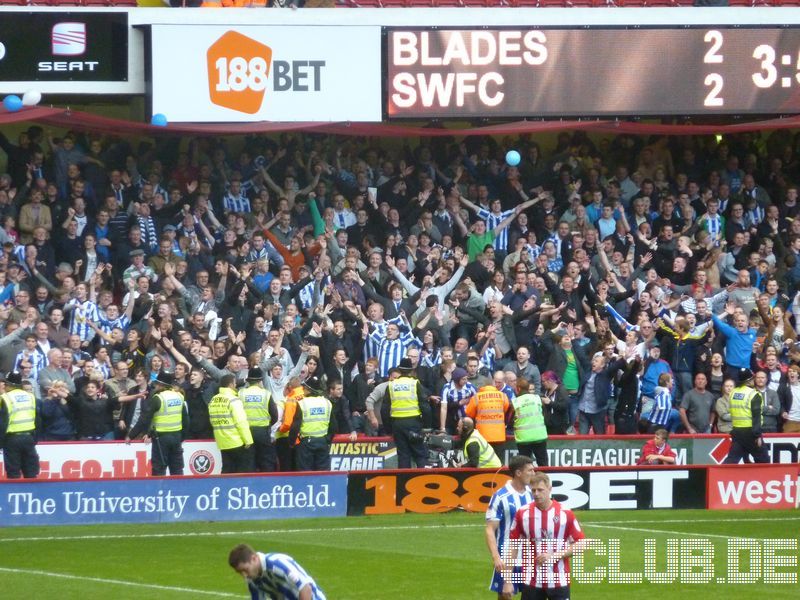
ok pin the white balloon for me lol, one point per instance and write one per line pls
(31, 98)
(2, 50)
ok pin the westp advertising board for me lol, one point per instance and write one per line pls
(173, 500)
(266, 73)
(64, 47)
(397, 492)
(742, 487)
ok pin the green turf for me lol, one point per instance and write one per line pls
(391, 557)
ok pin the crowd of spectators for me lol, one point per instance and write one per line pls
(626, 270)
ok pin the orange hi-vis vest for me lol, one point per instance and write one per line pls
(488, 408)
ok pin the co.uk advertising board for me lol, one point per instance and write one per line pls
(266, 73)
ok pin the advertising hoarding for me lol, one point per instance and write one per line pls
(174, 500)
(397, 492)
(64, 47)
(266, 73)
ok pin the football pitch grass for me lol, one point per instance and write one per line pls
(379, 557)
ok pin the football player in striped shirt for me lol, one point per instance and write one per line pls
(551, 533)
(275, 576)
(504, 504)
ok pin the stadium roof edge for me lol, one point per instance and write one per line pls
(464, 17)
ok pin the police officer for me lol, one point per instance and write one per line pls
(165, 417)
(745, 410)
(231, 429)
(313, 427)
(408, 408)
(18, 424)
(261, 414)
(477, 451)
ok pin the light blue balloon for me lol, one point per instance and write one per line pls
(159, 120)
(12, 103)
(513, 158)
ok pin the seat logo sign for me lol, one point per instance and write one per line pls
(68, 39)
(239, 69)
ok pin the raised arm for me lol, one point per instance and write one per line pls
(509, 219)
(409, 287)
(469, 204)
(270, 182)
(313, 183)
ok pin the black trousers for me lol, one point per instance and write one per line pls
(408, 439)
(264, 458)
(744, 445)
(532, 593)
(537, 450)
(20, 457)
(237, 460)
(625, 425)
(167, 453)
(313, 454)
(285, 454)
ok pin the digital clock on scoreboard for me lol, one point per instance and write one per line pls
(518, 72)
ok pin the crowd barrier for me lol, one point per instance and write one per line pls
(110, 460)
(308, 495)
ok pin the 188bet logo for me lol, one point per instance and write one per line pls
(241, 70)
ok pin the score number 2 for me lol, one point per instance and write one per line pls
(713, 56)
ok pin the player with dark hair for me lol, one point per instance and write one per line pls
(503, 506)
(273, 575)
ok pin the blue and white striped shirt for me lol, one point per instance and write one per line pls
(36, 360)
(487, 359)
(659, 415)
(391, 352)
(81, 313)
(237, 204)
(122, 322)
(754, 216)
(502, 507)
(102, 367)
(306, 296)
(713, 225)
(372, 345)
(492, 221)
(533, 251)
(509, 392)
(282, 578)
(452, 395)
(430, 358)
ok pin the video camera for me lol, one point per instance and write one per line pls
(443, 449)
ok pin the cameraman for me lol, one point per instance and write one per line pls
(477, 451)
